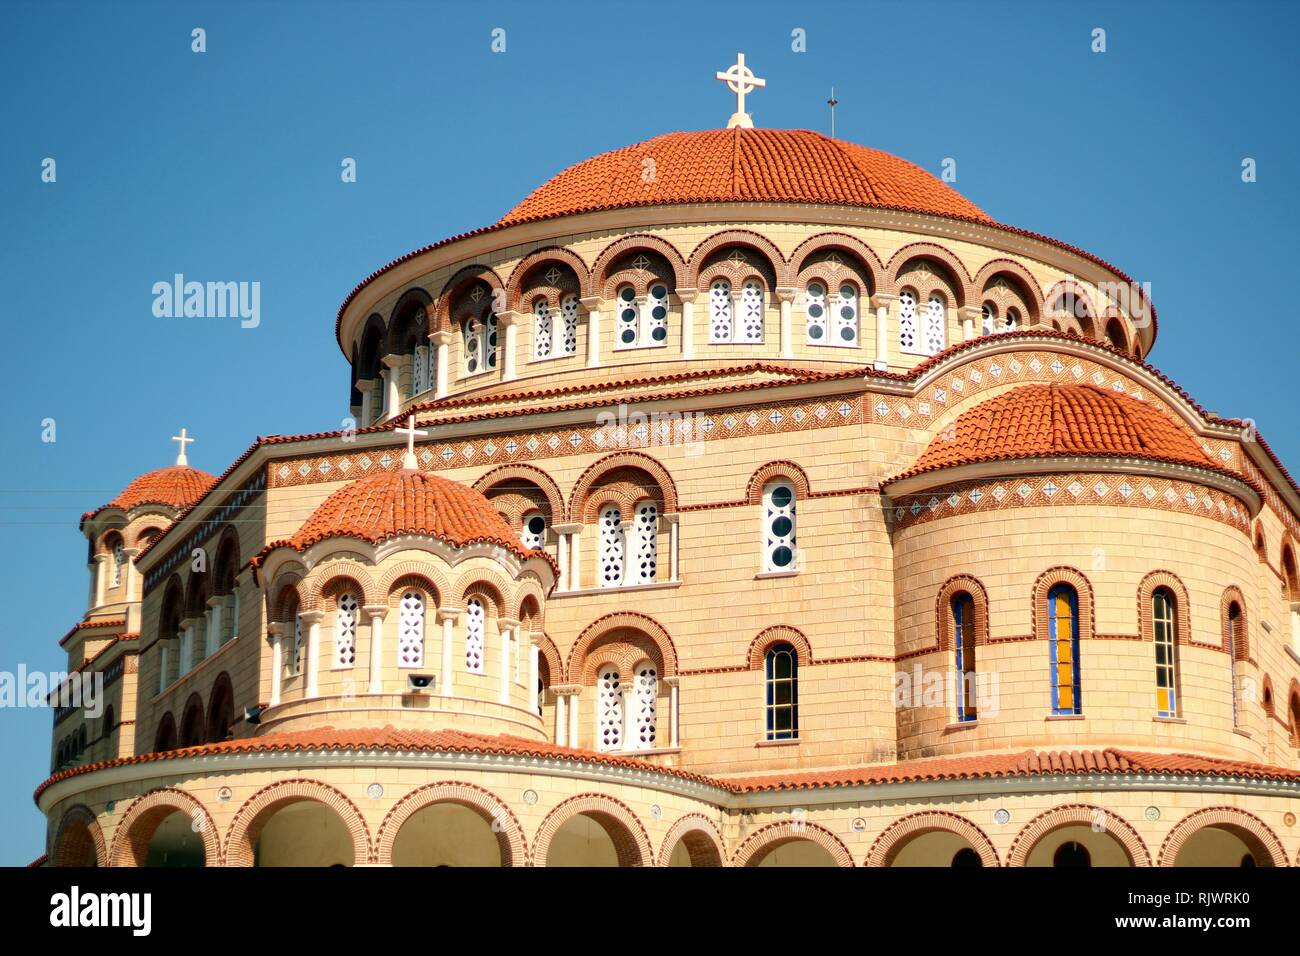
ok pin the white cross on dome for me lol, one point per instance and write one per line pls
(740, 79)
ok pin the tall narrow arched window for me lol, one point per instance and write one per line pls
(626, 333)
(720, 311)
(295, 659)
(990, 313)
(569, 318)
(846, 315)
(817, 324)
(654, 316)
(410, 630)
(782, 680)
(646, 533)
(1063, 635)
(751, 312)
(1164, 629)
(609, 709)
(543, 329)
(119, 559)
(1013, 320)
(1234, 639)
(646, 704)
(907, 332)
(475, 621)
(611, 547)
(779, 527)
(963, 629)
(936, 324)
(480, 344)
(533, 533)
(345, 631)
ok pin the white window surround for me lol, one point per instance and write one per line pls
(345, 632)
(410, 630)
(475, 620)
(779, 528)
(532, 532)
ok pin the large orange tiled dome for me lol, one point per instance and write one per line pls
(388, 504)
(743, 165)
(177, 486)
(1052, 421)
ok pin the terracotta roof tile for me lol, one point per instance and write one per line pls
(177, 486)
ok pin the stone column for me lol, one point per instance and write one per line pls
(447, 617)
(562, 559)
(573, 717)
(312, 620)
(506, 630)
(275, 637)
(509, 320)
(393, 384)
(101, 577)
(561, 718)
(130, 575)
(673, 711)
(687, 297)
(366, 387)
(575, 559)
(882, 301)
(972, 322)
(376, 613)
(164, 663)
(786, 297)
(627, 690)
(442, 357)
(187, 645)
(673, 521)
(216, 607)
(592, 305)
(534, 657)
(568, 535)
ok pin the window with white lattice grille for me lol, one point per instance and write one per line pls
(569, 318)
(645, 703)
(345, 631)
(907, 337)
(609, 710)
(654, 316)
(936, 322)
(611, 547)
(295, 659)
(543, 329)
(479, 337)
(720, 311)
(410, 630)
(779, 527)
(646, 536)
(475, 622)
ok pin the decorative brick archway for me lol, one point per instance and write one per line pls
(1072, 815)
(901, 832)
(143, 817)
(509, 834)
(701, 838)
(257, 811)
(1250, 829)
(631, 842)
(78, 839)
(766, 839)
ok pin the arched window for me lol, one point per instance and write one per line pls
(480, 344)
(345, 631)
(569, 318)
(422, 374)
(1063, 634)
(654, 316)
(1234, 637)
(611, 547)
(1164, 629)
(936, 324)
(846, 315)
(609, 709)
(533, 533)
(646, 543)
(295, 659)
(834, 324)
(1013, 320)
(627, 334)
(907, 337)
(543, 329)
(1072, 854)
(963, 628)
(751, 312)
(410, 630)
(779, 527)
(720, 311)
(817, 325)
(475, 622)
(108, 723)
(782, 673)
(119, 559)
(990, 318)
(647, 693)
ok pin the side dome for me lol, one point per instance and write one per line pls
(177, 486)
(1052, 421)
(388, 504)
(743, 165)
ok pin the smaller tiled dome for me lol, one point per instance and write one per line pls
(177, 486)
(1053, 421)
(392, 503)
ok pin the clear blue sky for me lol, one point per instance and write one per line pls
(225, 166)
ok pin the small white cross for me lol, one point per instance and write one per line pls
(183, 440)
(740, 79)
(410, 431)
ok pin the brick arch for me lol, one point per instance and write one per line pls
(506, 827)
(327, 580)
(1261, 543)
(702, 839)
(868, 261)
(1250, 829)
(429, 574)
(626, 459)
(402, 307)
(225, 567)
(620, 620)
(777, 469)
(514, 284)
(739, 237)
(370, 341)
(552, 657)
(766, 839)
(1241, 652)
(527, 586)
(899, 833)
(1289, 569)
(1070, 287)
(620, 823)
(145, 535)
(193, 721)
(461, 278)
(534, 476)
(1182, 614)
(1070, 815)
(287, 585)
(1029, 288)
(1293, 712)
(247, 825)
(77, 837)
(598, 284)
(110, 539)
(945, 633)
(963, 290)
(221, 709)
(495, 588)
(777, 634)
(147, 812)
(1063, 574)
